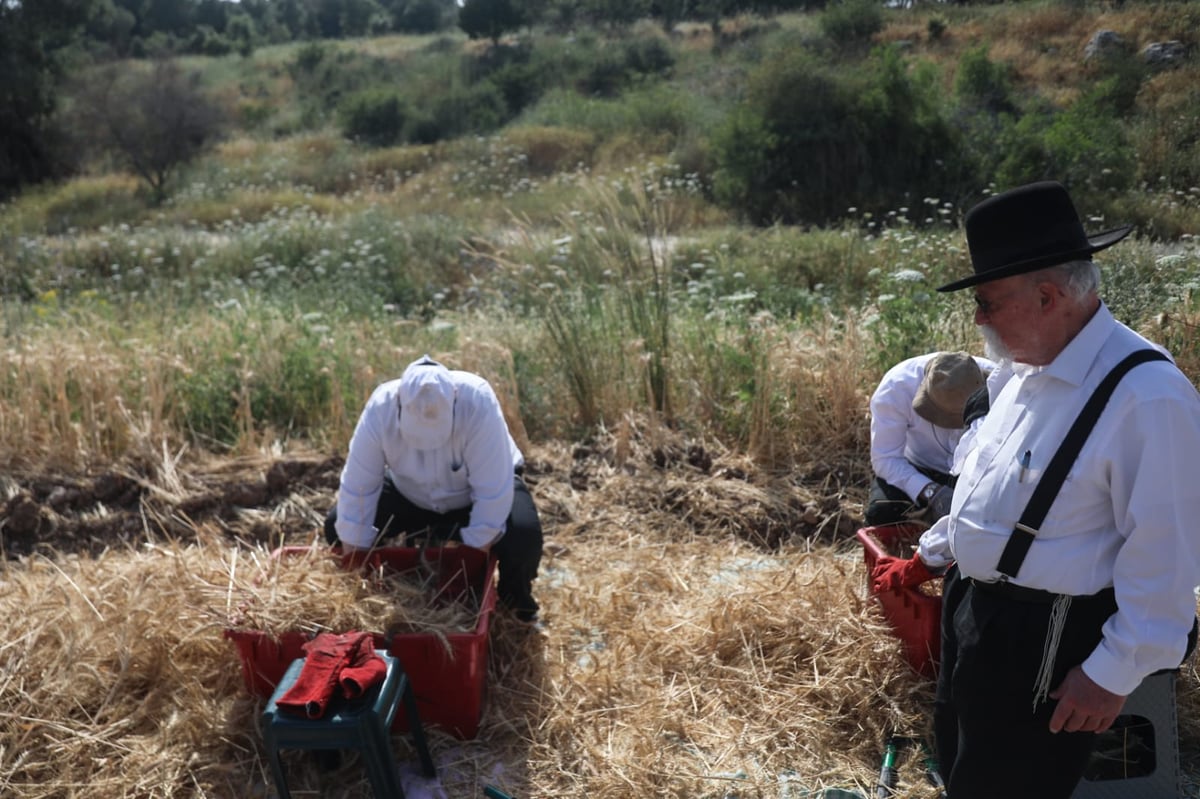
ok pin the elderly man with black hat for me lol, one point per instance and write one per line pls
(1073, 524)
(432, 454)
(916, 423)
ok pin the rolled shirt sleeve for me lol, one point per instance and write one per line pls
(934, 546)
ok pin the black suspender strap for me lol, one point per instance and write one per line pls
(1056, 472)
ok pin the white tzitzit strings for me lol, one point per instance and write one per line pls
(1054, 630)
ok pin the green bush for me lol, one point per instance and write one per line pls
(1168, 147)
(1085, 147)
(605, 75)
(812, 141)
(743, 151)
(520, 83)
(1088, 146)
(472, 109)
(309, 57)
(375, 116)
(851, 22)
(982, 83)
(648, 55)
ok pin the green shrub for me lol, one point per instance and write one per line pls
(1084, 146)
(309, 57)
(849, 22)
(375, 116)
(744, 148)
(982, 83)
(472, 109)
(812, 141)
(1088, 146)
(648, 55)
(521, 84)
(605, 75)
(1168, 147)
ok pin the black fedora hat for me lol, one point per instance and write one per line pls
(1026, 229)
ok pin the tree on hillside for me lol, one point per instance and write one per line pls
(33, 38)
(810, 141)
(490, 18)
(153, 121)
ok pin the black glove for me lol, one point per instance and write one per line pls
(939, 503)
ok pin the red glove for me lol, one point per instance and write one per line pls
(892, 574)
(317, 683)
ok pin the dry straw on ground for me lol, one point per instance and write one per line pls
(684, 655)
(307, 589)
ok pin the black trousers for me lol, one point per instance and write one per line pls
(518, 551)
(887, 504)
(992, 743)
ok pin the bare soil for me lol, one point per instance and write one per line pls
(283, 500)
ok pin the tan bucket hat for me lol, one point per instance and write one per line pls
(950, 378)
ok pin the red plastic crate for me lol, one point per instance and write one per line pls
(915, 617)
(448, 673)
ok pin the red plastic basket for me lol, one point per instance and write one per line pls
(448, 672)
(915, 617)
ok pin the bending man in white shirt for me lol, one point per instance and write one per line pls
(1046, 629)
(916, 423)
(432, 455)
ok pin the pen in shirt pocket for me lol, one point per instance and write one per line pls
(1024, 465)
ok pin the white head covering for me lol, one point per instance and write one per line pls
(426, 404)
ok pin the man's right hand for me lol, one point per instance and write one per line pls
(892, 574)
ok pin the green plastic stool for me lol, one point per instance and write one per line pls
(363, 724)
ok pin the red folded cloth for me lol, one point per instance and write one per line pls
(363, 671)
(329, 657)
(357, 680)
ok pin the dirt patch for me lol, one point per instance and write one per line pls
(284, 500)
(261, 499)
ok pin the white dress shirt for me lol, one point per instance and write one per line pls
(1125, 517)
(474, 468)
(901, 439)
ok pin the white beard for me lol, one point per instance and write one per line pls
(994, 348)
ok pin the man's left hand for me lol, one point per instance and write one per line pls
(1083, 706)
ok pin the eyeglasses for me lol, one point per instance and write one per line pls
(990, 307)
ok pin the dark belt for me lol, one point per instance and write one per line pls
(1021, 593)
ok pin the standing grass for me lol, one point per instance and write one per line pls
(576, 254)
(276, 330)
